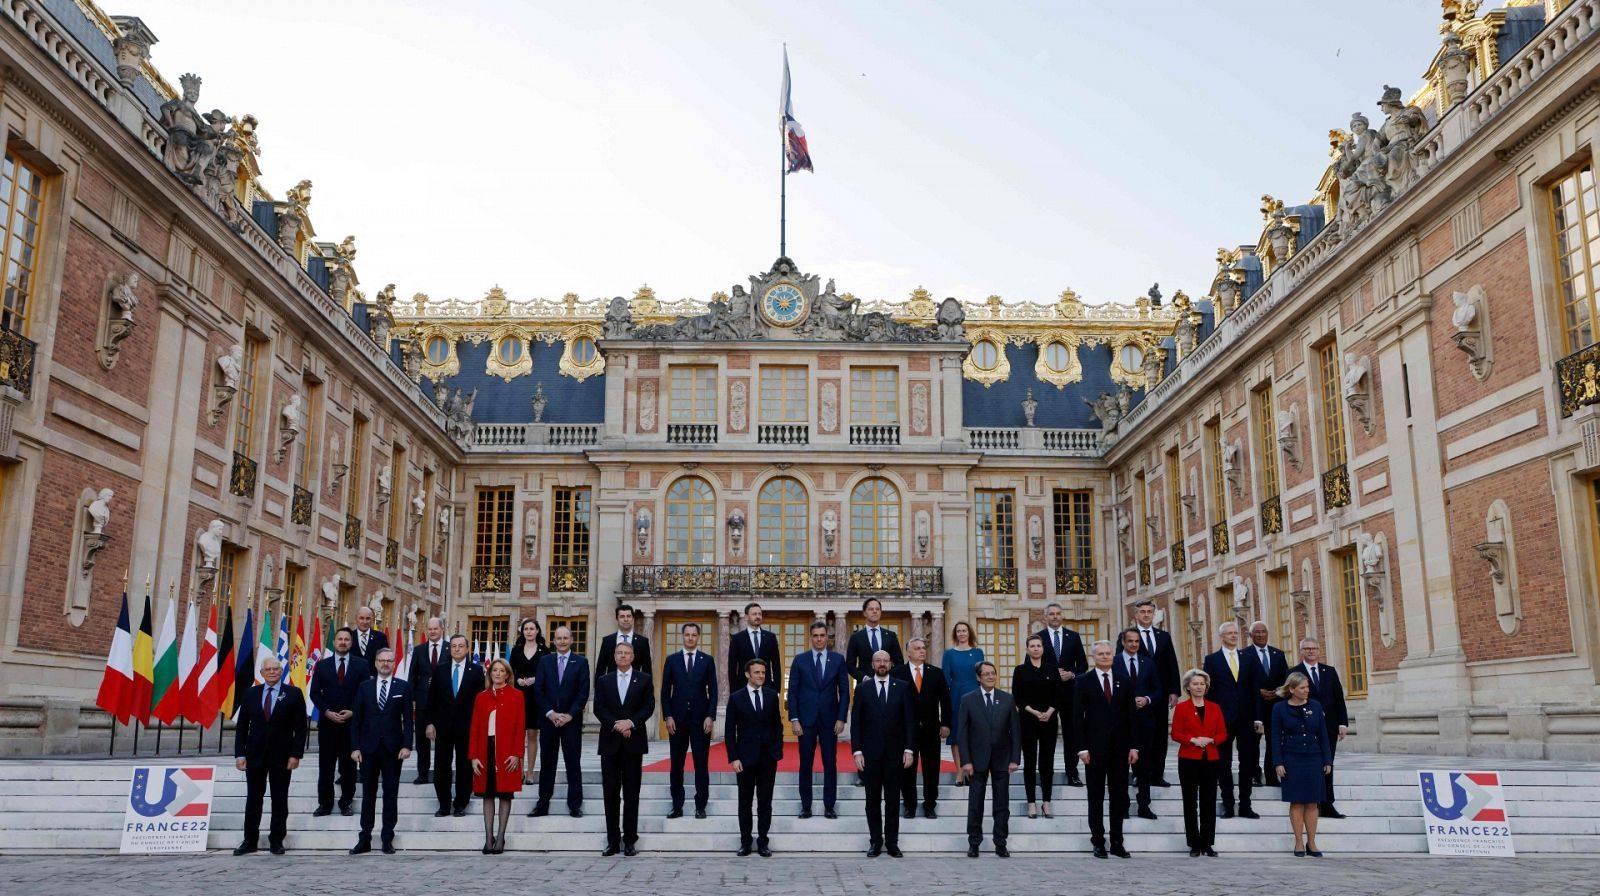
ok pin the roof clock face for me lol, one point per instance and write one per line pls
(784, 305)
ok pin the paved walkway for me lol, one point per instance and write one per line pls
(219, 873)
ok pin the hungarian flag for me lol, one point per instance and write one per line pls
(144, 662)
(243, 666)
(116, 685)
(197, 706)
(794, 139)
(165, 700)
(264, 650)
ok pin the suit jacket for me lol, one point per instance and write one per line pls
(1328, 691)
(1144, 684)
(1186, 724)
(858, 653)
(1237, 698)
(326, 690)
(1075, 662)
(259, 740)
(989, 737)
(605, 660)
(818, 702)
(932, 703)
(570, 694)
(451, 713)
(689, 697)
(740, 651)
(609, 708)
(883, 728)
(1260, 680)
(1166, 660)
(750, 736)
(1104, 728)
(376, 641)
(381, 732)
(420, 676)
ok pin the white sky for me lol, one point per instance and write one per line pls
(972, 148)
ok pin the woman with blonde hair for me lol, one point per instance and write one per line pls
(960, 664)
(1300, 744)
(495, 748)
(1198, 727)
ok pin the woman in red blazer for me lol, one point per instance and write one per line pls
(495, 748)
(1198, 727)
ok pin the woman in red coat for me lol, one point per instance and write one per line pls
(1198, 727)
(496, 751)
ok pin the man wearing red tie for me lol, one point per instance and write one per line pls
(333, 690)
(267, 746)
(1103, 723)
(426, 657)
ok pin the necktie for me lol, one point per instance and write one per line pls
(455, 679)
(1058, 646)
(1314, 682)
(989, 699)
(917, 674)
(1133, 667)
(688, 661)
(883, 691)
(383, 693)
(1233, 664)
(561, 668)
(1149, 639)
(819, 665)
(435, 660)
(267, 709)
(757, 695)
(341, 670)
(1105, 685)
(1266, 662)
(755, 640)
(874, 639)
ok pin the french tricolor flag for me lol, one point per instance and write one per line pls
(794, 138)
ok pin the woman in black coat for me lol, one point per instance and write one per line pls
(525, 656)
(1033, 687)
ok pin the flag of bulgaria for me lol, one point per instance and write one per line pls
(164, 695)
(143, 667)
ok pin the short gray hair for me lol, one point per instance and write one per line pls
(1224, 627)
(1096, 645)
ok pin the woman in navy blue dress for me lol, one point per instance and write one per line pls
(960, 666)
(1300, 743)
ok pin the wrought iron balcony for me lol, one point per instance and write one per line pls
(692, 433)
(242, 478)
(1272, 516)
(1219, 538)
(783, 434)
(997, 580)
(1578, 379)
(490, 580)
(1077, 581)
(391, 554)
(567, 579)
(912, 580)
(1336, 487)
(300, 507)
(16, 361)
(1180, 556)
(1144, 571)
(876, 435)
(352, 533)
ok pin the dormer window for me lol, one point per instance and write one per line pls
(1057, 357)
(509, 352)
(438, 350)
(985, 355)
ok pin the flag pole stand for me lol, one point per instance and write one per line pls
(159, 727)
(135, 737)
(111, 750)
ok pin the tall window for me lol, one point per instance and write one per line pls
(693, 394)
(1266, 442)
(1354, 623)
(291, 598)
(244, 432)
(783, 515)
(1332, 414)
(22, 194)
(1282, 608)
(227, 575)
(580, 631)
(306, 442)
(783, 394)
(874, 395)
(999, 638)
(874, 524)
(995, 522)
(495, 518)
(1174, 476)
(1073, 528)
(489, 633)
(1577, 254)
(569, 527)
(691, 523)
(1219, 499)
(357, 475)
(397, 481)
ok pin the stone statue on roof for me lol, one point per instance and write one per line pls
(1403, 127)
(619, 320)
(190, 135)
(950, 320)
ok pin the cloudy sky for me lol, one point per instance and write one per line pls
(972, 148)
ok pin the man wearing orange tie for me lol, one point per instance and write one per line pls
(933, 713)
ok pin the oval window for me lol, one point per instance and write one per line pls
(510, 350)
(985, 355)
(583, 352)
(1132, 358)
(1057, 357)
(438, 350)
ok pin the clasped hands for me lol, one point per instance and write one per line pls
(672, 726)
(512, 764)
(905, 760)
(1133, 756)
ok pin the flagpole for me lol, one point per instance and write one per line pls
(783, 174)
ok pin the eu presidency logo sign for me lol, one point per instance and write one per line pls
(169, 809)
(1465, 813)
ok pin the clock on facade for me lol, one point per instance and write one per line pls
(784, 305)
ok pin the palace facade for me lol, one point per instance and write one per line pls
(1375, 426)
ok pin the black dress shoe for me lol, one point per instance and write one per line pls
(874, 851)
(1120, 852)
(894, 852)
(1194, 852)
(804, 813)
(322, 811)
(1161, 782)
(1144, 812)
(1247, 812)
(1100, 852)
(972, 852)
(630, 850)
(575, 813)
(539, 811)
(765, 852)
(347, 810)
(908, 812)
(742, 851)
(460, 813)
(361, 847)
(244, 849)
(927, 812)
(388, 849)
(443, 812)
(699, 813)
(1209, 853)
(1257, 780)
(1074, 781)
(277, 850)
(1002, 852)
(420, 779)
(1225, 813)
(830, 812)
(610, 850)
(1328, 811)
(677, 812)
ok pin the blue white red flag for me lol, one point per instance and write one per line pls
(795, 151)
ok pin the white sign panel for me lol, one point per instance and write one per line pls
(1465, 813)
(169, 809)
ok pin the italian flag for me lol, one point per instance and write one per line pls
(143, 667)
(116, 684)
(264, 650)
(166, 702)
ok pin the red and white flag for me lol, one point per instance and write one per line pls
(794, 138)
(197, 686)
(116, 684)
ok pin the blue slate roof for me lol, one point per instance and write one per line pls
(1312, 219)
(1000, 405)
(1522, 23)
(501, 402)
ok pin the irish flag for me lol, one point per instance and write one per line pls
(116, 684)
(166, 703)
(144, 662)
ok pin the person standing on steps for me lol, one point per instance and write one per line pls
(382, 732)
(1199, 729)
(1134, 668)
(526, 655)
(334, 682)
(1233, 693)
(563, 691)
(882, 730)
(625, 634)
(819, 704)
(455, 689)
(960, 664)
(754, 643)
(931, 698)
(1063, 649)
(689, 703)
(991, 745)
(754, 742)
(1157, 645)
(1033, 685)
(1328, 692)
(1266, 669)
(624, 701)
(1102, 716)
(267, 746)
(495, 749)
(425, 658)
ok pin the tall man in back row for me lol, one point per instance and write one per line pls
(689, 707)
(1063, 648)
(1155, 645)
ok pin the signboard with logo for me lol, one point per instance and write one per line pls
(1465, 813)
(169, 809)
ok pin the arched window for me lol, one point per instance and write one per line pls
(783, 518)
(875, 524)
(438, 350)
(691, 523)
(510, 350)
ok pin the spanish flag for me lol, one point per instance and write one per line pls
(144, 666)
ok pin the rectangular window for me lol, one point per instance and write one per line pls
(1575, 220)
(492, 547)
(693, 394)
(1219, 497)
(306, 442)
(999, 639)
(291, 599)
(1266, 442)
(397, 501)
(1141, 512)
(783, 394)
(580, 632)
(1074, 529)
(1282, 607)
(1353, 620)
(357, 475)
(569, 527)
(995, 516)
(489, 634)
(244, 433)
(874, 395)
(1175, 498)
(227, 575)
(1332, 413)
(22, 196)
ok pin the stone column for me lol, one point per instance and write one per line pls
(181, 359)
(611, 545)
(936, 637)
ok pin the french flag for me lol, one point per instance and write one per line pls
(794, 138)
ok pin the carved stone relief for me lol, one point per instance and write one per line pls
(1471, 321)
(738, 405)
(116, 319)
(1372, 553)
(226, 384)
(829, 410)
(647, 406)
(1356, 384)
(1499, 551)
(1288, 425)
(919, 408)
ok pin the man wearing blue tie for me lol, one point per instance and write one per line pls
(689, 702)
(819, 703)
(562, 689)
(456, 685)
(381, 729)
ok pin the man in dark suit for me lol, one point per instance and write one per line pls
(366, 641)
(754, 741)
(561, 689)
(382, 734)
(1102, 714)
(1064, 649)
(819, 703)
(1327, 690)
(1134, 668)
(931, 699)
(689, 703)
(1231, 690)
(1158, 646)
(268, 743)
(333, 690)
(754, 643)
(603, 662)
(1266, 667)
(990, 734)
(455, 687)
(624, 701)
(870, 639)
(883, 725)
(425, 657)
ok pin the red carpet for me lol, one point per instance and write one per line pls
(789, 763)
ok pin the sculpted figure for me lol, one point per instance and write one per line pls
(1403, 126)
(123, 297)
(100, 511)
(190, 135)
(210, 543)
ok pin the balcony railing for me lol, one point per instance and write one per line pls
(1144, 571)
(1077, 581)
(1219, 538)
(16, 361)
(783, 434)
(391, 554)
(692, 433)
(567, 579)
(352, 533)
(994, 439)
(1578, 379)
(532, 436)
(1180, 556)
(300, 507)
(1336, 487)
(782, 580)
(875, 434)
(490, 580)
(242, 478)
(997, 580)
(1272, 516)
